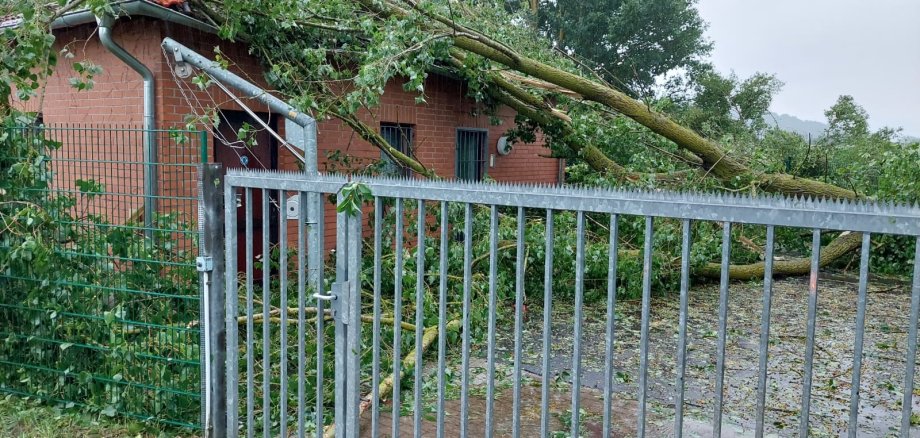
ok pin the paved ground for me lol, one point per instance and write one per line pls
(883, 365)
(624, 424)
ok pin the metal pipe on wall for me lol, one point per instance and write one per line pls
(106, 23)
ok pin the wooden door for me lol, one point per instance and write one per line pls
(258, 150)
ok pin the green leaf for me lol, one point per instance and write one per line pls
(89, 187)
(353, 196)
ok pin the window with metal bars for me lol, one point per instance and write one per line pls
(400, 137)
(471, 154)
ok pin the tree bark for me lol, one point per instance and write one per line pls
(839, 247)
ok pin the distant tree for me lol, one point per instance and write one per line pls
(846, 121)
(628, 42)
(868, 161)
(728, 105)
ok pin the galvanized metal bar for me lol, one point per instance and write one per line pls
(283, 286)
(518, 324)
(465, 354)
(203, 292)
(682, 328)
(579, 316)
(723, 322)
(612, 260)
(853, 424)
(214, 194)
(547, 323)
(302, 275)
(490, 344)
(341, 340)
(375, 348)
(419, 316)
(397, 319)
(442, 319)
(810, 331)
(904, 218)
(910, 361)
(828, 215)
(214, 69)
(232, 304)
(303, 136)
(765, 331)
(643, 341)
(250, 327)
(266, 313)
(315, 265)
(351, 309)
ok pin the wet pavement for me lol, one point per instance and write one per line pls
(883, 365)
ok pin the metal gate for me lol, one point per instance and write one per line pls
(277, 396)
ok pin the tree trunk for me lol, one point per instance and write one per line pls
(839, 247)
(716, 161)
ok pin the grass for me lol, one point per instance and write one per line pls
(23, 418)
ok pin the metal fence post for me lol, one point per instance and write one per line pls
(212, 266)
(352, 310)
(346, 307)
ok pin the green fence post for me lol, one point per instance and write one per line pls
(203, 145)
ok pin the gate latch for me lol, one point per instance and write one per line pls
(204, 264)
(333, 298)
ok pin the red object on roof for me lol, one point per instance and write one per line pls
(169, 3)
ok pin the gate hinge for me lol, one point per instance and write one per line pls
(204, 264)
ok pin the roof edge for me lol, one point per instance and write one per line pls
(127, 8)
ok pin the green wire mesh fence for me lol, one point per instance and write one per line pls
(114, 327)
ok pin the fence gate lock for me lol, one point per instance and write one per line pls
(333, 298)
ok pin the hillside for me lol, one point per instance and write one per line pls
(794, 124)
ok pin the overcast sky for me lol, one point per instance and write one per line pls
(821, 49)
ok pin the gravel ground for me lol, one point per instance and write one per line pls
(882, 372)
(883, 364)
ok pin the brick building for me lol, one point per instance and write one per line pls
(443, 133)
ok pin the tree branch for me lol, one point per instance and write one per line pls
(371, 136)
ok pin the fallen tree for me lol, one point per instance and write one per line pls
(310, 47)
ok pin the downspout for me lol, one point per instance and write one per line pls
(106, 22)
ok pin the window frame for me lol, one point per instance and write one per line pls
(406, 147)
(482, 171)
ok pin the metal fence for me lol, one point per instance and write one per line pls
(333, 372)
(114, 326)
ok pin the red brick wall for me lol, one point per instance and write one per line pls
(117, 98)
(436, 123)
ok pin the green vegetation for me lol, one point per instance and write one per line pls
(629, 43)
(695, 129)
(94, 311)
(24, 418)
(600, 107)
